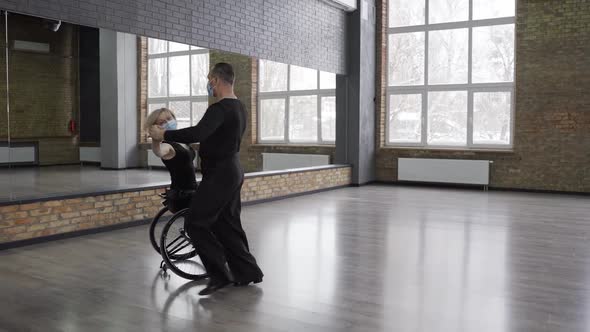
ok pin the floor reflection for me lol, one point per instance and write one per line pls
(37, 182)
(375, 258)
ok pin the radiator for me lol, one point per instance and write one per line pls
(279, 161)
(18, 154)
(476, 172)
(90, 154)
(155, 161)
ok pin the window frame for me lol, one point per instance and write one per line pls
(166, 100)
(469, 87)
(319, 93)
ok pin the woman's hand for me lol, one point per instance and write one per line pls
(156, 133)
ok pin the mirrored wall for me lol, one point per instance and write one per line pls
(74, 100)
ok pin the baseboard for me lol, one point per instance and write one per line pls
(90, 163)
(479, 187)
(542, 191)
(62, 236)
(369, 183)
(431, 184)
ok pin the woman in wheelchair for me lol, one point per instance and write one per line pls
(178, 159)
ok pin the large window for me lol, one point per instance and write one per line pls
(450, 73)
(177, 79)
(296, 105)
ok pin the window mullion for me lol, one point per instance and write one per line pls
(287, 106)
(258, 112)
(469, 118)
(190, 88)
(167, 77)
(470, 79)
(319, 137)
(424, 140)
(424, 117)
(286, 137)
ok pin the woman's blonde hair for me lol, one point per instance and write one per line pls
(154, 115)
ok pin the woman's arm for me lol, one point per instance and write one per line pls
(163, 150)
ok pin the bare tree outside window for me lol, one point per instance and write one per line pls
(297, 105)
(450, 73)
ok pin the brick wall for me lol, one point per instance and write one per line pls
(26, 221)
(43, 89)
(309, 33)
(243, 68)
(33, 220)
(552, 119)
(3, 111)
(381, 22)
(266, 187)
(142, 86)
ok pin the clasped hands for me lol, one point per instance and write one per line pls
(156, 133)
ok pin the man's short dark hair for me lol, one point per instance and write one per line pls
(224, 71)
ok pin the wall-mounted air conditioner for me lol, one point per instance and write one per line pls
(28, 46)
(347, 5)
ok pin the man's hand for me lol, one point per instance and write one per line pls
(156, 133)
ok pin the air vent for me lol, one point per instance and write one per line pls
(347, 5)
(23, 45)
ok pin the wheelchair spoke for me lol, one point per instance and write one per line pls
(179, 246)
(171, 243)
(179, 249)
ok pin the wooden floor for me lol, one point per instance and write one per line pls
(375, 258)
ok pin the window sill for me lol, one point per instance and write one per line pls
(433, 149)
(283, 145)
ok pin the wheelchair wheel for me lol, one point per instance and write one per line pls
(156, 227)
(178, 251)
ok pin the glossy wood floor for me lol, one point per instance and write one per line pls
(375, 258)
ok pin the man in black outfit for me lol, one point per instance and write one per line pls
(213, 222)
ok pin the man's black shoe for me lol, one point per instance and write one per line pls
(245, 283)
(213, 286)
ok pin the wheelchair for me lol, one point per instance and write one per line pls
(168, 237)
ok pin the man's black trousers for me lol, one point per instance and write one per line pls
(214, 223)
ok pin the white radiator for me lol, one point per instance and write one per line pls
(279, 161)
(155, 161)
(475, 172)
(17, 154)
(90, 154)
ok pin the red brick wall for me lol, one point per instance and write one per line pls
(552, 119)
(19, 222)
(142, 89)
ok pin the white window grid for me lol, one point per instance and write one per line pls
(469, 87)
(190, 98)
(286, 96)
